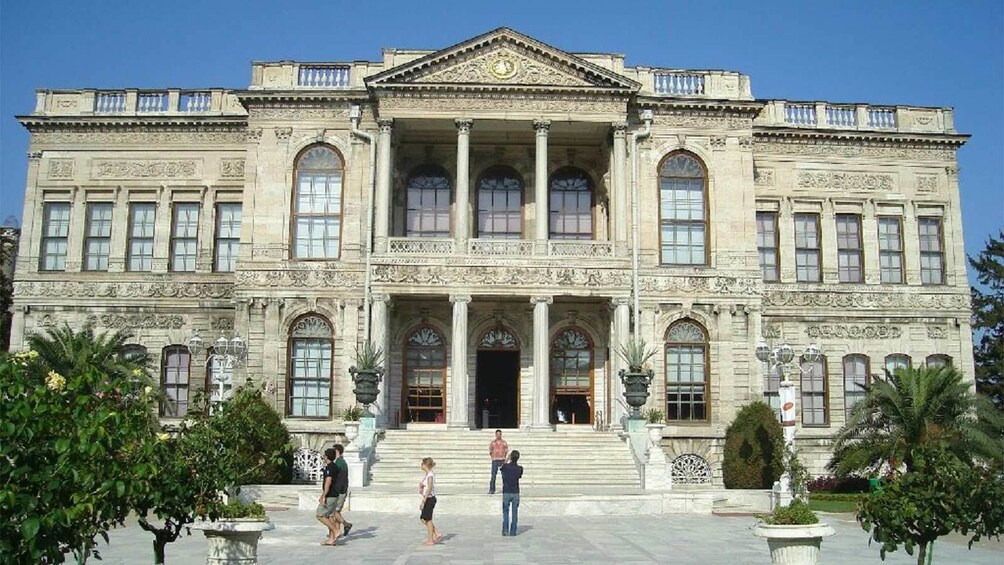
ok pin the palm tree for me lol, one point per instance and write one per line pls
(912, 408)
(71, 352)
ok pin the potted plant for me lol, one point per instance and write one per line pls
(793, 532)
(655, 425)
(233, 536)
(366, 375)
(636, 378)
(351, 417)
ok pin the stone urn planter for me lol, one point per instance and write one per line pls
(655, 433)
(233, 542)
(636, 385)
(351, 431)
(367, 387)
(793, 544)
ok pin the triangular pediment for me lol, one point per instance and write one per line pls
(503, 57)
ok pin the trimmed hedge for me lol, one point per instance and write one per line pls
(829, 483)
(754, 448)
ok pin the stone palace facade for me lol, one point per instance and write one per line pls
(499, 216)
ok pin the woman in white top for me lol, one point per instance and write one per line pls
(427, 488)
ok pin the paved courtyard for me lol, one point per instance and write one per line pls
(623, 540)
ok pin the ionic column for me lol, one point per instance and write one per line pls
(381, 200)
(458, 416)
(540, 186)
(379, 332)
(622, 331)
(462, 214)
(618, 203)
(541, 381)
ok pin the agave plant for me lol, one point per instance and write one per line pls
(369, 357)
(635, 353)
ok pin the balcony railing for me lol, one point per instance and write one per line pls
(419, 246)
(825, 115)
(580, 248)
(137, 102)
(722, 85)
(500, 247)
(291, 75)
(323, 76)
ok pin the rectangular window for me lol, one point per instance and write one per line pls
(174, 381)
(896, 362)
(766, 242)
(318, 215)
(97, 240)
(142, 216)
(55, 229)
(686, 383)
(932, 251)
(772, 390)
(815, 407)
(184, 236)
(310, 378)
(855, 378)
(849, 248)
(807, 248)
(228, 236)
(890, 240)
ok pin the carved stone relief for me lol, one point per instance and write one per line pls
(831, 299)
(763, 177)
(232, 168)
(830, 149)
(937, 332)
(845, 181)
(770, 330)
(138, 321)
(504, 66)
(297, 113)
(73, 289)
(927, 183)
(116, 137)
(61, 169)
(143, 169)
(488, 102)
(853, 331)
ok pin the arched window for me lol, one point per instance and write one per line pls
(571, 205)
(175, 366)
(133, 352)
(219, 378)
(855, 379)
(895, 362)
(687, 386)
(317, 204)
(938, 360)
(500, 204)
(428, 194)
(572, 378)
(815, 402)
(310, 343)
(683, 211)
(425, 375)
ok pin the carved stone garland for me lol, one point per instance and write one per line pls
(311, 326)
(499, 339)
(425, 337)
(690, 469)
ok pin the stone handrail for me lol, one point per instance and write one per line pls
(723, 85)
(293, 75)
(826, 115)
(136, 102)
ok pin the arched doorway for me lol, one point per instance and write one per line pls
(572, 378)
(497, 383)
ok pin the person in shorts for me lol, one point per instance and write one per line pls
(328, 500)
(340, 484)
(427, 488)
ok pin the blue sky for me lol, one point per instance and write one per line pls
(918, 52)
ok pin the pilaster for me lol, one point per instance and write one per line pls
(75, 235)
(786, 241)
(911, 245)
(162, 232)
(828, 244)
(120, 231)
(869, 244)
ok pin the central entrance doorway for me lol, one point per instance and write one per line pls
(497, 381)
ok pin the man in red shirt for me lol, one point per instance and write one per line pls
(497, 450)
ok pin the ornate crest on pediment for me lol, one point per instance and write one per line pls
(502, 57)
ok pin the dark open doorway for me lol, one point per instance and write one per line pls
(497, 389)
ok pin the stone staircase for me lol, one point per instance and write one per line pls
(582, 460)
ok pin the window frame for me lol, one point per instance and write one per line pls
(825, 394)
(132, 238)
(294, 203)
(177, 207)
(885, 252)
(706, 345)
(885, 362)
(230, 240)
(553, 214)
(570, 391)
(88, 238)
(43, 254)
(406, 366)
(940, 223)
(858, 392)
(843, 252)
(776, 248)
(948, 361)
(427, 170)
(290, 339)
(494, 171)
(705, 223)
(166, 352)
(818, 249)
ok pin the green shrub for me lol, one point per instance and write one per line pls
(754, 449)
(237, 509)
(261, 432)
(795, 514)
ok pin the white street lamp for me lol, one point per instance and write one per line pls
(223, 357)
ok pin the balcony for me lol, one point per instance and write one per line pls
(859, 117)
(134, 102)
(500, 248)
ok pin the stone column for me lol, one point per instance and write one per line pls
(622, 331)
(541, 374)
(381, 200)
(379, 333)
(786, 241)
(31, 221)
(618, 200)
(457, 414)
(462, 227)
(541, 226)
(951, 226)
(722, 389)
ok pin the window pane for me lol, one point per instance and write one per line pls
(571, 214)
(139, 248)
(318, 208)
(55, 228)
(807, 250)
(813, 385)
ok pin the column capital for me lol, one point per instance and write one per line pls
(620, 301)
(464, 125)
(34, 156)
(620, 129)
(952, 171)
(464, 298)
(352, 303)
(541, 300)
(380, 297)
(542, 126)
(386, 125)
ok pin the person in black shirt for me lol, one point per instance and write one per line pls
(328, 500)
(340, 484)
(511, 473)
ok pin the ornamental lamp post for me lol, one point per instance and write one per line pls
(226, 354)
(781, 359)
